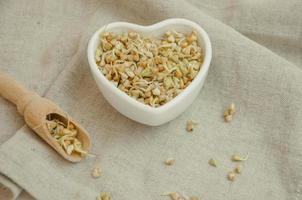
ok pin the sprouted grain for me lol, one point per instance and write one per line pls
(231, 176)
(173, 195)
(238, 169)
(66, 136)
(238, 158)
(190, 125)
(213, 162)
(152, 71)
(103, 196)
(96, 172)
(170, 161)
(229, 113)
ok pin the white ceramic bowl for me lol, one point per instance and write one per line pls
(132, 108)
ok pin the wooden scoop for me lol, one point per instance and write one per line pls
(36, 109)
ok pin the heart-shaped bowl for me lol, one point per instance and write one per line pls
(132, 108)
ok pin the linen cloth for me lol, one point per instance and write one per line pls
(266, 87)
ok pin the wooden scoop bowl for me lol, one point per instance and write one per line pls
(36, 109)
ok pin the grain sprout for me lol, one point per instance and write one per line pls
(238, 158)
(151, 70)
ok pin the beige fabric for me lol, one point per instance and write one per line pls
(266, 88)
(8, 189)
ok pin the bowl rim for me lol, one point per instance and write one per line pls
(181, 96)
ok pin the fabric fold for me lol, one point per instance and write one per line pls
(8, 189)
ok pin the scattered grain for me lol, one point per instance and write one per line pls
(170, 161)
(96, 172)
(229, 113)
(213, 162)
(190, 125)
(238, 169)
(239, 158)
(104, 196)
(231, 176)
(228, 118)
(173, 195)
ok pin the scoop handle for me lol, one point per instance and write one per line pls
(15, 92)
(11, 89)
